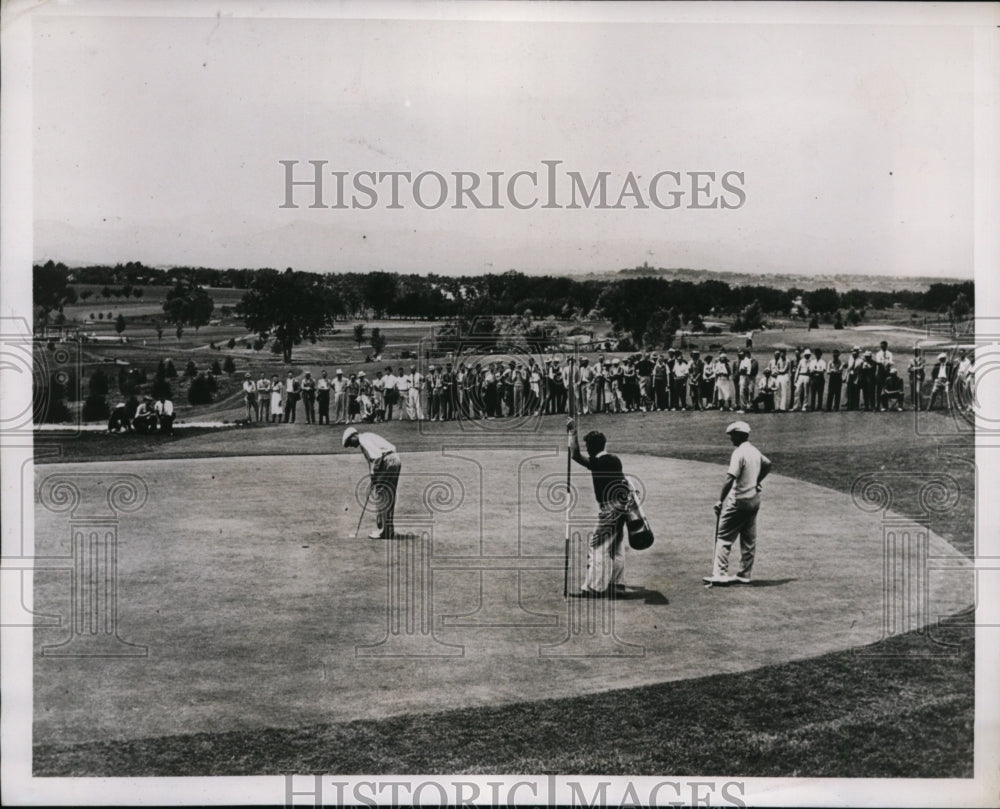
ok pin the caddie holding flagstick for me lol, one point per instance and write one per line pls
(737, 508)
(384, 466)
(606, 553)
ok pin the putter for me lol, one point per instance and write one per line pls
(363, 510)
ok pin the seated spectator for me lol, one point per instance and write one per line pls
(145, 419)
(892, 390)
(119, 419)
(766, 392)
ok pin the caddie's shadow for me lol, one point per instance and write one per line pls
(652, 597)
(770, 582)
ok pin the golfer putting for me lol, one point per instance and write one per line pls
(737, 515)
(384, 466)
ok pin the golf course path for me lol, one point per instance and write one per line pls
(257, 607)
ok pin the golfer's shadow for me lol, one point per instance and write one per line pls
(653, 597)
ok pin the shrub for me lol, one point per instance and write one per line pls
(216, 368)
(191, 370)
(171, 372)
(95, 408)
(161, 389)
(99, 385)
(229, 366)
(200, 391)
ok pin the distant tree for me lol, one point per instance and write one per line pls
(853, 317)
(137, 293)
(960, 308)
(106, 292)
(161, 369)
(290, 306)
(378, 341)
(179, 331)
(630, 304)
(380, 291)
(188, 305)
(822, 300)
(120, 324)
(813, 323)
(159, 330)
(100, 315)
(229, 366)
(216, 368)
(171, 370)
(752, 316)
(838, 320)
(661, 328)
(258, 344)
(232, 342)
(359, 333)
(190, 370)
(110, 314)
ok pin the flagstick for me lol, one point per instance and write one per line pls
(569, 467)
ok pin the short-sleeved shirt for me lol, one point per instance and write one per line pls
(744, 466)
(374, 446)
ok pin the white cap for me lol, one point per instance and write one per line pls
(340, 372)
(361, 373)
(942, 356)
(807, 353)
(347, 434)
(738, 427)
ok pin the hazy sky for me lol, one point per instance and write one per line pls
(159, 139)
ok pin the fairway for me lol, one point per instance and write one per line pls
(259, 609)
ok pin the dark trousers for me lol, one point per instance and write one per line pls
(291, 404)
(816, 392)
(323, 400)
(915, 393)
(833, 393)
(853, 393)
(660, 399)
(678, 395)
(309, 401)
(868, 394)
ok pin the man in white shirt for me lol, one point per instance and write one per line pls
(390, 380)
(883, 360)
(250, 397)
(964, 381)
(817, 381)
(164, 409)
(384, 467)
(339, 387)
(404, 382)
(323, 398)
(413, 405)
(737, 514)
(802, 382)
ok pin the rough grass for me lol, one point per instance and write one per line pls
(903, 707)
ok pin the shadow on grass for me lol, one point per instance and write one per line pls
(653, 597)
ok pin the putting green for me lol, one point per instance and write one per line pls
(258, 607)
